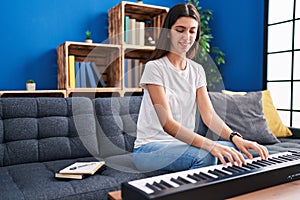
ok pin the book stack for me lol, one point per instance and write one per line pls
(133, 70)
(134, 31)
(84, 74)
(79, 170)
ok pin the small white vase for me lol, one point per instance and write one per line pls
(89, 41)
(30, 86)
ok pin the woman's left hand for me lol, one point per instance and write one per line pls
(244, 145)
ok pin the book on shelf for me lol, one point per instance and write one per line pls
(82, 75)
(90, 75)
(71, 68)
(132, 31)
(98, 77)
(140, 33)
(87, 75)
(80, 170)
(77, 75)
(126, 29)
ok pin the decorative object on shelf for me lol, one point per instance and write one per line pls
(30, 85)
(140, 1)
(213, 74)
(88, 37)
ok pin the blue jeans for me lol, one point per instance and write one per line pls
(173, 156)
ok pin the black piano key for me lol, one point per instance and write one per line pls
(195, 177)
(294, 157)
(289, 157)
(162, 182)
(254, 165)
(285, 158)
(257, 162)
(271, 162)
(294, 151)
(297, 154)
(232, 170)
(180, 181)
(266, 162)
(160, 186)
(222, 172)
(239, 168)
(282, 160)
(205, 176)
(248, 166)
(183, 180)
(276, 160)
(214, 172)
(176, 181)
(152, 187)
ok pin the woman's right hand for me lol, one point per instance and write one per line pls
(224, 152)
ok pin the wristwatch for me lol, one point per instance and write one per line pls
(234, 134)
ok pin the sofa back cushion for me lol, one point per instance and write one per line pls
(116, 124)
(44, 129)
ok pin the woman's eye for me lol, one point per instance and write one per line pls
(180, 30)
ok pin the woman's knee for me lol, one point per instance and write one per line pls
(204, 161)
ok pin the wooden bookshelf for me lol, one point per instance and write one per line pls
(111, 58)
(106, 56)
(152, 16)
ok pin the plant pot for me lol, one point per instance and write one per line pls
(89, 41)
(30, 86)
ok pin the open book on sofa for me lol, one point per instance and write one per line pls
(79, 170)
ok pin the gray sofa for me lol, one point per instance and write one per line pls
(39, 136)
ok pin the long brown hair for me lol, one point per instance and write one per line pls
(163, 43)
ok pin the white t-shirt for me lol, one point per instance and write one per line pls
(180, 87)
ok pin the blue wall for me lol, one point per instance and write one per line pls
(237, 27)
(31, 30)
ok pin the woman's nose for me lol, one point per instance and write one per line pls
(186, 35)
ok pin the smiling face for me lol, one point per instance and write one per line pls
(183, 34)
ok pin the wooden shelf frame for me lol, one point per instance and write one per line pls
(139, 11)
(106, 55)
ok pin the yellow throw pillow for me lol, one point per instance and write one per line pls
(270, 113)
(273, 119)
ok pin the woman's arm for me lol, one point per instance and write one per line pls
(217, 125)
(209, 116)
(175, 129)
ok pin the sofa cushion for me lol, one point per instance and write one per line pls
(116, 124)
(243, 113)
(44, 129)
(270, 113)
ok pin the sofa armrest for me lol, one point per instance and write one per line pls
(296, 132)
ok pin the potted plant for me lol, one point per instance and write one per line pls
(88, 37)
(140, 1)
(30, 85)
(214, 79)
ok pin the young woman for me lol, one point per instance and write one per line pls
(173, 86)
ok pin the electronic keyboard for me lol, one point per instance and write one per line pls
(218, 181)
